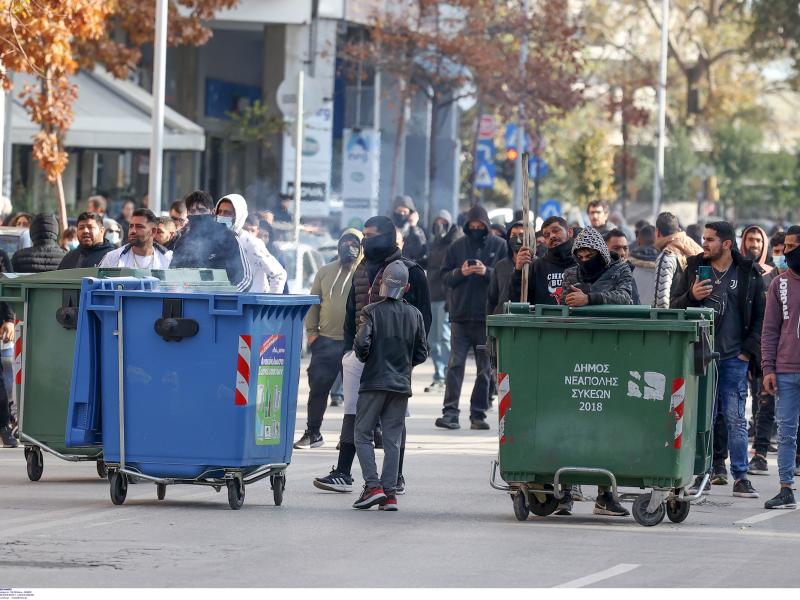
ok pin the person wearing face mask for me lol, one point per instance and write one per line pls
(467, 271)
(325, 329)
(45, 253)
(503, 275)
(68, 240)
(380, 250)
(443, 233)
(113, 233)
(269, 276)
(141, 251)
(546, 277)
(405, 217)
(210, 245)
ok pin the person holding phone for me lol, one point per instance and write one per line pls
(722, 279)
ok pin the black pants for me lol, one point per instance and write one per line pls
(325, 367)
(464, 336)
(5, 408)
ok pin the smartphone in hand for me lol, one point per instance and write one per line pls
(704, 272)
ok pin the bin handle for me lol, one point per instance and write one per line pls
(213, 309)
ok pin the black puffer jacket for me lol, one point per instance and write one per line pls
(45, 254)
(614, 286)
(84, 258)
(390, 341)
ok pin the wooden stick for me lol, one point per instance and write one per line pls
(526, 235)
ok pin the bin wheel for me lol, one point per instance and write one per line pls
(278, 484)
(35, 463)
(677, 511)
(644, 518)
(102, 469)
(546, 508)
(520, 506)
(235, 493)
(118, 487)
(161, 490)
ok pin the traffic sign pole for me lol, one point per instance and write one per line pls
(298, 162)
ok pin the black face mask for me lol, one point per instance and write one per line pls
(478, 235)
(515, 243)
(591, 269)
(348, 253)
(399, 219)
(793, 260)
(200, 219)
(379, 247)
(439, 229)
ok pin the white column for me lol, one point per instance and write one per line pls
(658, 178)
(159, 84)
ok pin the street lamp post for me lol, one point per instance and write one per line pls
(523, 61)
(658, 178)
(157, 118)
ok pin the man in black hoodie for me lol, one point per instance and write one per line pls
(503, 276)
(467, 271)
(45, 254)
(380, 250)
(92, 244)
(547, 274)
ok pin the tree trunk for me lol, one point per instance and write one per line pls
(435, 112)
(473, 191)
(399, 133)
(62, 203)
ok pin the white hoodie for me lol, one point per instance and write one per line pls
(268, 274)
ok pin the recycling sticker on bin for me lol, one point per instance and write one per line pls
(269, 386)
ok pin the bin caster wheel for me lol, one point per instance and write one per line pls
(235, 493)
(161, 490)
(546, 508)
(35, 463)
(102, 470)
(520, 506)
(119, 487)
(677, 511)
(644, 518)
(278, 484)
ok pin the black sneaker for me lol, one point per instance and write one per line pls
(744, 489)
(479, 424)
(697, 481)
(565, 505)
(772, 449)
(447, 423)
(334, 482)
(607, 505)
(784, 499)
(758, 465)
(719, 475)
(9, 441)
(310, 439)
(337, 400)
(400, 488)
(436, 386)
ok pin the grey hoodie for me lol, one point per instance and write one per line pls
(780, 334)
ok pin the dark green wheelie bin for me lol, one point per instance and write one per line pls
(606, 395)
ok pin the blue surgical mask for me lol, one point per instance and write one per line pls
(73, 244)
(780, 262)
(227, 221)
(113, 238)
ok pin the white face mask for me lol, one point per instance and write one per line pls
(72, 244)
(227, 221)
(113, 238)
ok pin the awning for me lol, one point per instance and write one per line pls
(110, 114)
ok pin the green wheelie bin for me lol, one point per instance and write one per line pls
(606, 395)
(46, 304)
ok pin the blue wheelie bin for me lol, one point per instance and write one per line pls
(197, 388)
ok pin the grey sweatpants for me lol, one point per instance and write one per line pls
(390, 408)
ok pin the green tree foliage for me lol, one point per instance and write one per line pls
(776, 32)
(591, 167)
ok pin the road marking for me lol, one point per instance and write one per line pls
(763, 516)
(599, 576)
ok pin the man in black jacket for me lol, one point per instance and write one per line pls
(444, 233)
(390, 341)
(210, 245)
(467, 271)
(92, 244)
(415, 246)
(45, 254)
(503, 275)
(735, 290)
(380, 250)
(546, 277)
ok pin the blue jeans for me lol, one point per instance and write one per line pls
(439, 339)
(731, 400)
(787, 413)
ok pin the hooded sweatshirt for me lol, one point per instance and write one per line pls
(545, 283)
(415, 245)
(268, 274)
(761, 260)
(84, 258)
(332, 284)
(780, 334)
(45, 254)
(613, 284)
(437, 250)
(674, 250)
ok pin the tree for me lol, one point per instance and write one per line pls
(776, 32)
(735, 156)
(591, 167)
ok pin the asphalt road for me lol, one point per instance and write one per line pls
(452, 529)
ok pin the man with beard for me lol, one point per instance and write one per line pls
(755, 246)
(467, 271)
(380, 250)
(141, 251)
(545, 281)
(444, 233)
(92, 246)
(325, 329)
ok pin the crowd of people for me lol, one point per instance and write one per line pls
(395, 295)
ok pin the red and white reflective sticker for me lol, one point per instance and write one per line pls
(676, 405)
(504, 392)
(243, 371)
(18, 353)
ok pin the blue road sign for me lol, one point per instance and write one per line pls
(544, 168)
(550, 208)
(485, 170)
(511, 138)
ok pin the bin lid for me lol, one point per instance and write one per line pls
(69, 277)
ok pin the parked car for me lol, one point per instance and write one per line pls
(302, 264)
(14, 238)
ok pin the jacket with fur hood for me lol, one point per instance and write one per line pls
(268, 274)
(761, 260)
(674, 250)
(332, 284)
(45, 254)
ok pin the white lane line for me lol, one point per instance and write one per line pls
(599, 576)
(763, 516)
